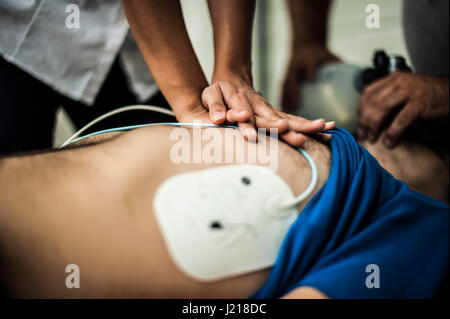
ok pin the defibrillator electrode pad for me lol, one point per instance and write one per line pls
(219, 222)
(226, 221)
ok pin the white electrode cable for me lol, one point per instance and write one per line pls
(74, 138)
(114, 112)
(312, 183)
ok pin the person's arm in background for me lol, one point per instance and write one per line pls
(391, 105)
(309, 21)
(232, 84)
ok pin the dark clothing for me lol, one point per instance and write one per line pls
(28, 108)
(426, 28)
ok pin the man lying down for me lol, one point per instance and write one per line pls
(130, 217)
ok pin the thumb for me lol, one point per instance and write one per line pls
(212, 99)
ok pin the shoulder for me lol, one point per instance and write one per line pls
(305, 293)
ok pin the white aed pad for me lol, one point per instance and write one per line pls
(223, 222)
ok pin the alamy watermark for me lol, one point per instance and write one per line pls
(373, 279)
(209, 145)
(73, 279)
(73, 17)
(373, 16)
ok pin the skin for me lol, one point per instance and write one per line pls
(101, 218)
(164, 42)
(424, 170)
(388, 107)
(309, 47)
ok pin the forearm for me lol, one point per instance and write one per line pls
(232, 21)
(309, 21)
(160, 32)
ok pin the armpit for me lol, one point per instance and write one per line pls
(97, 139)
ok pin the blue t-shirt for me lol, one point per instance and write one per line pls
(362, 220)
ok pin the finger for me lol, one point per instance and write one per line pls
(302, 125)
(373, 112)
(212, 99)
(378, 85)
(248, 130)
(329, 126)
(323, 137)
(269, 116)
(407, 116)
(264, 109)
(374, 121)
(384, 95)
(239, 102)
(379, 120)
(281, 125)
(235, 115)
(293, 138)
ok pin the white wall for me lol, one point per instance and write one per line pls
(348, 36)
(198, 24)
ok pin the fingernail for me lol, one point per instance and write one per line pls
(318, 121)
(251, 134)
(332, 124)
(217, 116)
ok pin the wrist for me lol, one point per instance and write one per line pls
(196, 113)
(189, 112)
(242, 75)
(184, 100)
